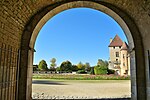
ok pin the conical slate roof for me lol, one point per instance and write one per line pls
(116, 42)
(124, 46)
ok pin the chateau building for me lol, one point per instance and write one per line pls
(119, 56)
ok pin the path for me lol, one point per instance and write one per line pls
(82, 88)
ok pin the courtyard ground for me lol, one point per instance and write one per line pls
(58, 89)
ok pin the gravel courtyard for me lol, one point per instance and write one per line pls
(81, 89)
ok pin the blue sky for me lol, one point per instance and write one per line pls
(79, 34)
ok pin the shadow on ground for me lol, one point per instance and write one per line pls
(46, 82)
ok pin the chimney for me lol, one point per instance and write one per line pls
(110, 40)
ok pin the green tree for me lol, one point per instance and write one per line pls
(101, 67)
(74, 68)
(66, 66)
(52, 69)
(35, 67)
(58, 69)
(102, 63)
(53, 62)
(42, 65)
(98, 70)
(81, 66)
(92, 71)
(87, 66)
(106, 63)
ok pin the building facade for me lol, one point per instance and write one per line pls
(119, 56)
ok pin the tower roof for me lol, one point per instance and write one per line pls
(116, 42)
(124, 46)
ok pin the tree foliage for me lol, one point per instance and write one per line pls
(102, 63)
(66, 66)
(58, 69)
(81, 66)
(92, 71)
(74, 68)
(35, 67)
(53, 62)
(52, 69)
(101, 67)
(87, 66)
(98, 70)
(81, 72)
(110, 71)
(42, 65)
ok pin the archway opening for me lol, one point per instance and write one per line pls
(124, 20)
(80, 35)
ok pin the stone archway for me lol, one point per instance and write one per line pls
(130, 29)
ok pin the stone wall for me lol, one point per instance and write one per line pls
(17, 15)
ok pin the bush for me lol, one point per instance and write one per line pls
(81, 72)
(74, 68)
(100, 70)
(52, 69)
(110, 71)
(58, 69)
(91, 71)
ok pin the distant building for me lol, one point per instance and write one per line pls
(119, 56)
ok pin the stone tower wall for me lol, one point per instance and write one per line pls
(124, 61)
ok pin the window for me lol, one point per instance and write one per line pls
(126, 71)
(114, 47)
(123, 56)
(123, 64)
(117, 54)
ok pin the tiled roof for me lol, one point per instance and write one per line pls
(124, 46)
(116, 42)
